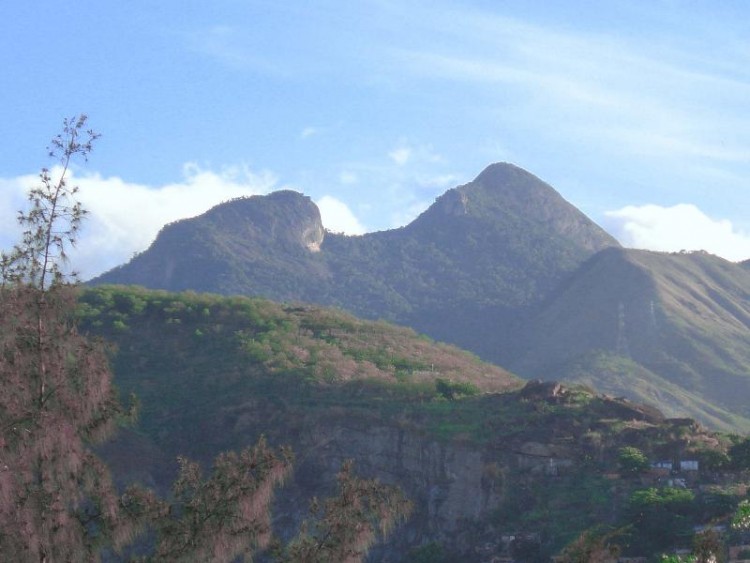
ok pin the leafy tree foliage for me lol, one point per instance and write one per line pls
(57, 502)
(51, 224)
(344, 527)
(739, 454)
(678, 559)
(708, 546)
(221, 518)
(632, 460)
(56, 497)
(741, 518)
(592, 547)
(451, 390)
(660, 517)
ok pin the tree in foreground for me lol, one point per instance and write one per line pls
(632, 461)
(592, 547)
(345, 527)
(57, 502)
(221, 518)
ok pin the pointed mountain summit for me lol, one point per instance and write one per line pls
(482, 252)
(508, 194)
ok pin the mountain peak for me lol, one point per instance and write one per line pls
(502, 172)
(284, 216)
(513, 188)
(506, 194)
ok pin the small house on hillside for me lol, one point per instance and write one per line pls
(689, 465)
(668, 466)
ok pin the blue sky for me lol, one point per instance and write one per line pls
(636, 112)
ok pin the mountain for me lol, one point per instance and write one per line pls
(495, 468)
(459, 272)
(502, 266)
(669, 329)
(272, 242)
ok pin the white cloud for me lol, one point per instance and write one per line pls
(125, 217)
(228, 45)
(400, 155)
(407, 153)
(308, 132)
(337, 216)
(12, 199)
(348, 178)
(680, 227)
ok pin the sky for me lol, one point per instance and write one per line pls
(637, 112)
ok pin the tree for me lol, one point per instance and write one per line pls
(345, 527)
(632, 460)
(708, 546)
(592, 547)
(51, 225)
(739, 454)
(451, 390)
(57, 502)
(678, 559)
(222, 518)
(741, 518)
(660, 517)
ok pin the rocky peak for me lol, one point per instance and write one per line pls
(286, 216)
(504, 194)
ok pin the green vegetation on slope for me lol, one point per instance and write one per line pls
(544, 462)
(197, 351)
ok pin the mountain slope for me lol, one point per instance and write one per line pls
(458, 272)
(682, 321)
(461, 270)
(215, 373)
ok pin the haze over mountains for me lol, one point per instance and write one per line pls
(502, 266)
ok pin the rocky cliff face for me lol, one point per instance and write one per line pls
(477, 498)
(450, 483)
(456, 487)
(284, 218)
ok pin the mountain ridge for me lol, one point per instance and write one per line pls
(502, 266)
(496, 255)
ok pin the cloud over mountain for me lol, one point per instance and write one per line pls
(679, 227)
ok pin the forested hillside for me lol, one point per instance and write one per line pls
(482, 457)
